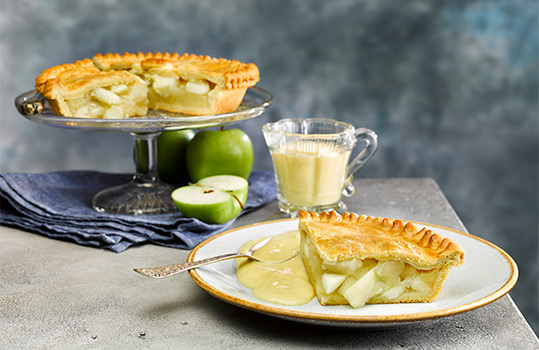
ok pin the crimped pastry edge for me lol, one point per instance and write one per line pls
(248, 74)
(449, 251)
(44, 84)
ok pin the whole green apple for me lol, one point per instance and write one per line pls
(171, 151)
(219, 152)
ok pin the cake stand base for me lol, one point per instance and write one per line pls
(136, 198)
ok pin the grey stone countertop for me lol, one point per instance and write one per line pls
(59, 295)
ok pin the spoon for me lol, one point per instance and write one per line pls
(171, 270)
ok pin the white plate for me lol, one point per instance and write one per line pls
(487, 274)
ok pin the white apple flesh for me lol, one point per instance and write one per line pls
(233, 184)
(332, 281)
(210, 205)
(360, 292)
(214, 200)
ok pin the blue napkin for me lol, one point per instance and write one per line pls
(58, 205)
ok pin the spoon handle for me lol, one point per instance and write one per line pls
(170, 270)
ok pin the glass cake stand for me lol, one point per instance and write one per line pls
(145, 193)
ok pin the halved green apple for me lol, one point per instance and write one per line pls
(235, 185)
(214, 200)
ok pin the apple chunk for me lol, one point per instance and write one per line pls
(360, 292)
(332, 281)
(214, 200)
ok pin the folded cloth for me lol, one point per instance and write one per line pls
(58, 205)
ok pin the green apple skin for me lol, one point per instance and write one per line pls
(219, 152)
(210, 205)
(231, 184)
(171, 152)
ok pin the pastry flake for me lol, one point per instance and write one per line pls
(360, 260)
(187, 84)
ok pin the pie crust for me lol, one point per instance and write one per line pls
(357, 260)
(187, 84)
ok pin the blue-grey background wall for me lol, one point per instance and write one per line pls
(451, 88)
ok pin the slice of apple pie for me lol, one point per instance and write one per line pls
(81, 90)
(360, 260)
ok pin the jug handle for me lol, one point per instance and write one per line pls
(370, 139)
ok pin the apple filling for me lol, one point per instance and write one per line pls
(362, 281)
(169, 92)
(115, 101)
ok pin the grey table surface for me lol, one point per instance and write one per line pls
(58, 295)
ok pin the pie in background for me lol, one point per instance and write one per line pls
(357, 260)
(186, 84)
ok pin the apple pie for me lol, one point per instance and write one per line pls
(186, 84)
(360, 260)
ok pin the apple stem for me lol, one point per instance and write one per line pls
(236, 198)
